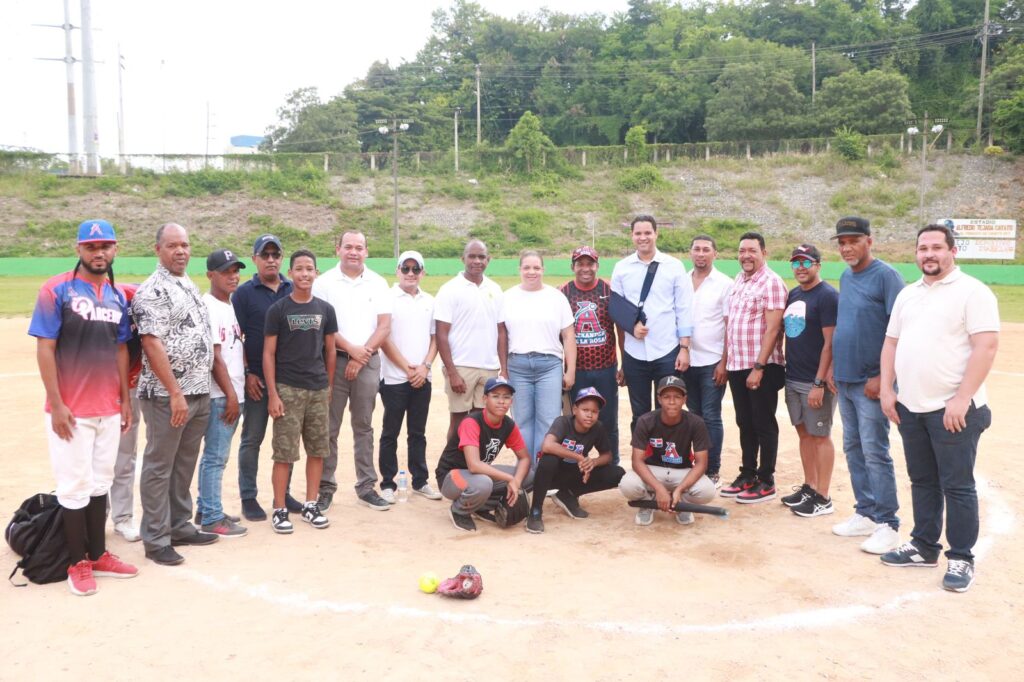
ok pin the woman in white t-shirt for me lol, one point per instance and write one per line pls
(541, 350)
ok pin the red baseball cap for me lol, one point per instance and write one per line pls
(587, 251)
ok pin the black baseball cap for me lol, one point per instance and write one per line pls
(806, 251)
(671, 381)
(852, 225)
(222, 259)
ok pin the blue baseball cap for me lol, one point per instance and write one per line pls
(96, 231)
(262, 241)
(498, 382)
(588, 392)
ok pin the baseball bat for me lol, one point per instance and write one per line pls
(683, 507)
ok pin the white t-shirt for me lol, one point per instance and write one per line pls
(710, 306)
(412, 325)
(933, 324)
(357, 301)
(473, 311)
(535, 320)
(228, 335)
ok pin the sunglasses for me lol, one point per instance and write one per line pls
(806, 264)
(271, 255)
(414, 269)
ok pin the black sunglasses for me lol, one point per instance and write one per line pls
(414, 268)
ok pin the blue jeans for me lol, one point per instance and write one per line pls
(604, 381)
(704, 399)
(216, 448)
(866, 443)
(537, 378)
(254, 428)
(641, 378)
(941, 469)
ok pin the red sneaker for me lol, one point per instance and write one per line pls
(109, 566)
(741, 484)
(80, 579)
(759, 493)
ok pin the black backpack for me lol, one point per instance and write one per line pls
(36, 533)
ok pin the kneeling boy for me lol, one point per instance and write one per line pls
(565, 463)
(464, 471)
(670, 455)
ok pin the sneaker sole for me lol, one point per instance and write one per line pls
(372, 506)
(564, 507)
(535, 532)
(79, 593)
(160, 562)
(108, 574)
(642, 524)
(847, 534)
(758, 500)
(228, 536)
(129, 537)
(284, 531)
(320, 527)
(816, 512)
(911, 564)
(434, 496)
(451, 515)
(958, 589)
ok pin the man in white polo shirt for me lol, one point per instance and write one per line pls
(362, 303)
(939, 347)
(405, 384)
(471, 340)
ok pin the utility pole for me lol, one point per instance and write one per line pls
(814, 72)
(457, 110)
(123, 162)
(90, 118)
(981, 79)
(74, 163)
(478, 104)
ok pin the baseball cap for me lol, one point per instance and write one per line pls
(411, 255)
(588, 392)
(222, 259)
(263, 240)
(587, 251)
(806, 251)
(96, 231)
(852, 225)
(498, 382)
(671, 381)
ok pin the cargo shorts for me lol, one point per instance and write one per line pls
(306, 415)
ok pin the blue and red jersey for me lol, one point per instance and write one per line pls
(88, 323)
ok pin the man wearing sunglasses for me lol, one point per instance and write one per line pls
(251, 301)
(405, 384)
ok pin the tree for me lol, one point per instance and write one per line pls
(528, 143)
(1008, 118)
(754, 101)
(307, 125)
(871, 102)
(636, 143)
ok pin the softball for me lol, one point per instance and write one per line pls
(429, 582)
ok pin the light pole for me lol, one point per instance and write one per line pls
(397, 126)
(457, 111)
(912, 131)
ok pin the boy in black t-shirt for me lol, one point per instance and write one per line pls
(298, 364)
(465, 473)
(670, 455)
(564, 463)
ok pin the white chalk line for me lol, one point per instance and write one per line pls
(999, 520)
(17, 375)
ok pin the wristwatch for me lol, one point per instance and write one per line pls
(758, 365)
(818, 383)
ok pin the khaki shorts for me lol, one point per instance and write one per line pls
(475, 379)
(817, 421)
(306, 414)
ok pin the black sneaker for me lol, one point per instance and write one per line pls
(311, 515)
(959, 575)
(324, 499)
(374, 501)
(485, 515)
(802, 494)
(197, 538)
(741, 484)
(534, 522)
(281, 523)
(252, 511)
(570, 504)
(291, 504)
(461, 521)
(908, 554)
(165, 556)
(815, 505)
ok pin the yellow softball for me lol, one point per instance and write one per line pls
(429, 582)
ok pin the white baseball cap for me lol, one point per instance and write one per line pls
(411, 255)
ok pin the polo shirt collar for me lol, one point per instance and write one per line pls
(953, 276)
(357, 278)
(257, 282)
(658, 256)
(402, 292)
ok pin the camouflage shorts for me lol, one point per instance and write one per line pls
(306, 414)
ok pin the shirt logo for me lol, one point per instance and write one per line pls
(671, 454)
(304, 323)
(87, 310)
(656, 442)
(573, 445)
(491, 449)
(589, 331)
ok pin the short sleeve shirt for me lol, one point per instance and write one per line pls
(710, 306)
(88, 323)
(227, 334)
(412, 325)
(595, 331)
(670, 446)
(750, 299)
(171, 309)
(300, 329)
(473, 311)
(807, 313)
(357, 301)
(866, 299)
(564, 431)
(251, 301)
(535, 320)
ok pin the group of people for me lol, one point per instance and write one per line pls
(534, 369)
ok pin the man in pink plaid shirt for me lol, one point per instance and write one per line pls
(754, 361)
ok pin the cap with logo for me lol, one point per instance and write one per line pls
(671, 381)
(411, 255)
(588, 392)
(498, 382)
(806, 251)
(262, 241)
(96, 231)
(852, 226)
(584, 252)
(222, 259)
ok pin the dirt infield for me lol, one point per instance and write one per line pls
(764, 594)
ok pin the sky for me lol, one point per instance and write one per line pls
(237, 59)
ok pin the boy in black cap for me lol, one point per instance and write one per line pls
(564, 463)
(465, 473)
(670, 456)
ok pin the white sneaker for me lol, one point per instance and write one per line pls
(426, 491)
(884, 539)
(855, 526)
(389, 495)
(127, 530)
(684, 518)
(644, 517)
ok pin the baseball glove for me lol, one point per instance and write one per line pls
(468, 584)
(506, 516)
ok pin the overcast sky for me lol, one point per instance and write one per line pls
(242, 57)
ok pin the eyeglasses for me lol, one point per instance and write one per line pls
(271, 255)
(806, 264)
(414, 269)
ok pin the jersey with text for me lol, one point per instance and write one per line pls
(672, 446)
(595, 333)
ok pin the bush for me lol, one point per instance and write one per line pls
(636, 143)
(641, 179)
(850, 144)
(889, 159)
(994, 150)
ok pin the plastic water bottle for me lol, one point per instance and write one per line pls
(403, 487)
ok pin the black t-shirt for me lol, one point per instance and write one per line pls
(564, 431)
(670, 446)
(491, 440)
(806, 313)
(300, 329)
